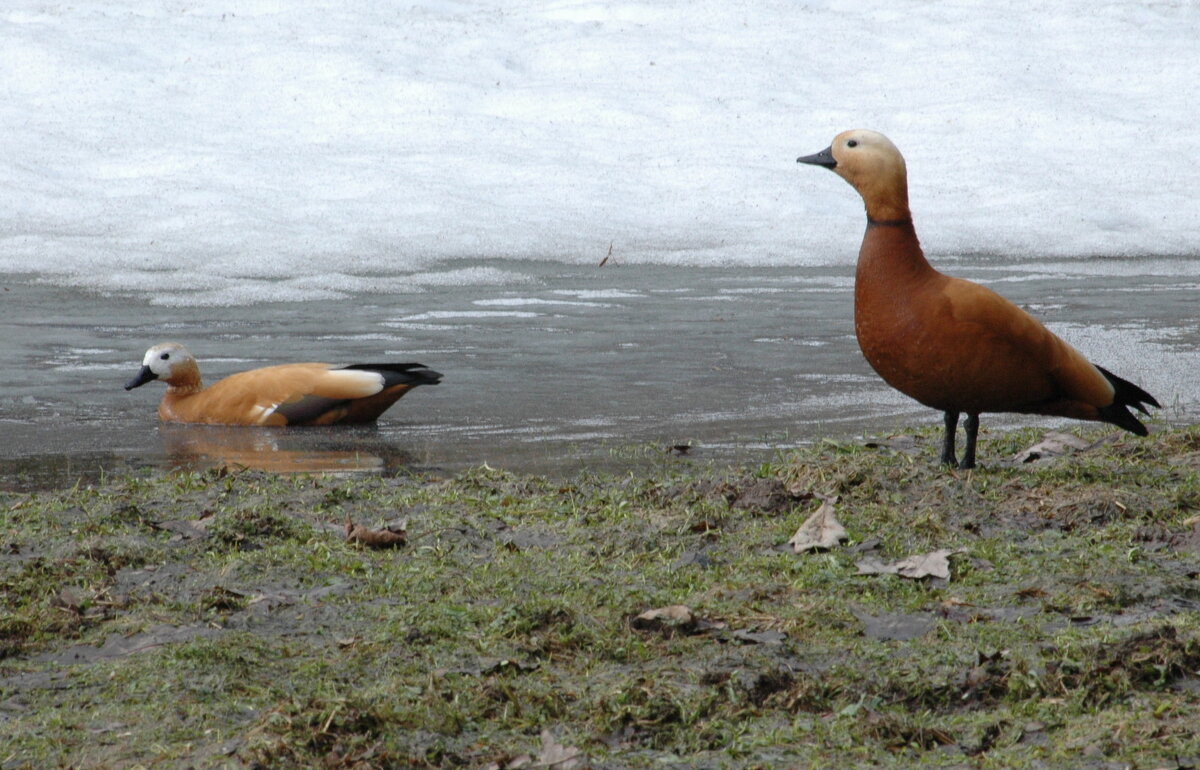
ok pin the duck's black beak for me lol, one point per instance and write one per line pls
(822, 158)
(144, 375)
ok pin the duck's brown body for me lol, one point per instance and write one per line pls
(958, 346)
(949, 343)
(288, 394)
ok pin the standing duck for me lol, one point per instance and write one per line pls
(288, 394)
(949, 343)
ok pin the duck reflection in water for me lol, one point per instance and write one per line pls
(345, 451)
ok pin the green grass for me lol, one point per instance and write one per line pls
(1066, 636)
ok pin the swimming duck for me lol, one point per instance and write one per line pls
(949, 343)
(288, 394)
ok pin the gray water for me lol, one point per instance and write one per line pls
(566, 367)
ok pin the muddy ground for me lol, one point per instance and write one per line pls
(1026, 614)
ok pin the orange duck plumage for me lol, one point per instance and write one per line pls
(288, 394)
(949, 343)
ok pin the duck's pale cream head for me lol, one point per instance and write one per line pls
(169, 362)
(872, 165)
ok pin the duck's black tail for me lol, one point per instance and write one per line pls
(1127, 395)
(401, 374)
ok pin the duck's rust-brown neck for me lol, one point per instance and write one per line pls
(185, 390)
(885, 200)
(891, 259)
(184, 379)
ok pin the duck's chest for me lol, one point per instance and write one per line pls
(896, 329)
(901, 318)
(174, 408)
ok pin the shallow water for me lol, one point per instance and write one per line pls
(553, 368)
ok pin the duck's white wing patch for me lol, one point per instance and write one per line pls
(348, 383)
(260, 413)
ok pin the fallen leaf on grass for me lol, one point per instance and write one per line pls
(553, 755)
(820, 530)
(674, 617)
(556, 755)
(679, 618)
(1054, 444)
(675, 613)
(374, 538)
(933, 564)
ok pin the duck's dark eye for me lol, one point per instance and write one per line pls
(165, 356)
(852, 143)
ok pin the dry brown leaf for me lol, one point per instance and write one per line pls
(374, 538)
(1053, 444)
(820, 530)
(933, 564)
(558, 756)
(675, 617)
(675, 613)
